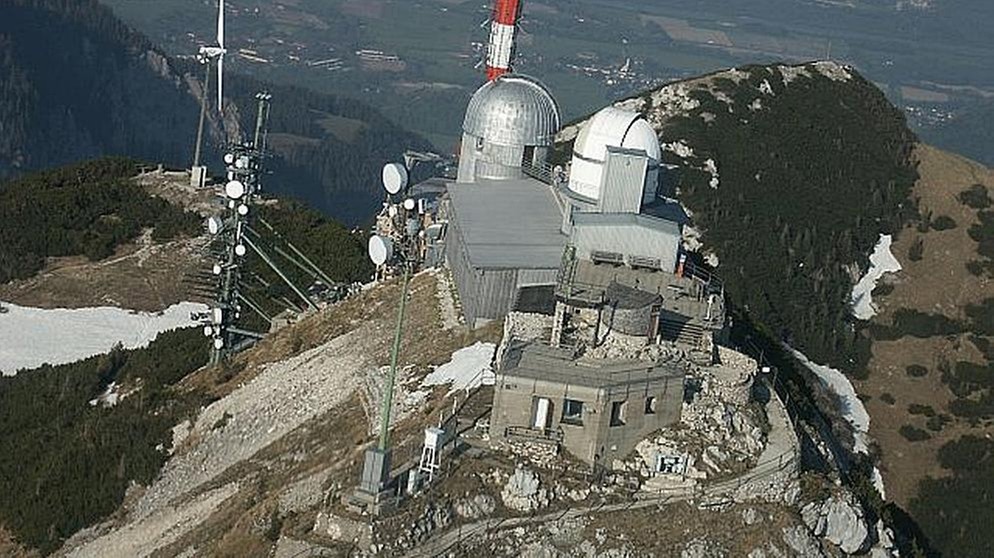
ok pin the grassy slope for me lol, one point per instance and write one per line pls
(938, 284)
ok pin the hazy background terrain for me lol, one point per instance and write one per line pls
(929, 56)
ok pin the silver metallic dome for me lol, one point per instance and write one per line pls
(513, 110)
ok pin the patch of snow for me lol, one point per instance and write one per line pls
(109, 397)
(853, 410)
(34, 336)
(469, 367)
(881, 261)
(878, 483)
(712, 168)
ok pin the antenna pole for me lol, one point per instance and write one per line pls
(387, 402)
(203, 114)
(261, 116)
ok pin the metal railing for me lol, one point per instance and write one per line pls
(540, 171)
(531, 434)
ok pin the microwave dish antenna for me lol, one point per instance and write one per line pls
(395, 178)
(380, 249)
(234, 189)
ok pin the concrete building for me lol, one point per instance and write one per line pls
(595, 409)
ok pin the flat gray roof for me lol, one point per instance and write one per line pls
(615, 219)
(541, 362)
(508, 223)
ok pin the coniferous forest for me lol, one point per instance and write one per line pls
(64, 462)
(807, 184)
(87, 209)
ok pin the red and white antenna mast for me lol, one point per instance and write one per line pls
(502, 31)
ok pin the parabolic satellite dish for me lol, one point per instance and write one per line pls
(234, 189)
(409, 204)
(380, 249)
(394, 178)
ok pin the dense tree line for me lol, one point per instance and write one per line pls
(957, 510)
(87, 209)
(808, 180)
(66, 463)
(339, 252)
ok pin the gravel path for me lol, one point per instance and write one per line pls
(284, 396)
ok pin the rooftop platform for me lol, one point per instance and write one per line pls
(508, 224)
(539, 361)
(588, 283)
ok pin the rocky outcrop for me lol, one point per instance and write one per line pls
(839, 520)
(475, 507)
(801, 543)
(523, 492)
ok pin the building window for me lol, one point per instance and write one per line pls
(479, 144)
(572, 411)
(618, 411)
(650, 405)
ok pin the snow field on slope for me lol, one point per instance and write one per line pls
(881, 261)
(853, 410)
(30, 337)
(468, 368)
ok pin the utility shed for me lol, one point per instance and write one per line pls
(503, 244)
(638, 240)
(598, 410)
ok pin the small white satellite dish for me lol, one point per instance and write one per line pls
(394, 178)
(219, 343)
(243, 210)
(409, 204)
(392, 211)
(217, 315)
(234, 189)
(240, 250)
(380, 249)
(214, 225)
(241, 163)
(229, 158)
(217, 269)
(208, 331)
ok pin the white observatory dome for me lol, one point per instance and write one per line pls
(513, 110)
(611, 127)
